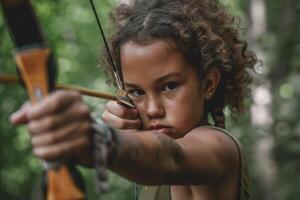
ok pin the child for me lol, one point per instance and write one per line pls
(181, 61)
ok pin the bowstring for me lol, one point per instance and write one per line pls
(118, 80)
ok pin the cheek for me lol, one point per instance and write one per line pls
(186, 114)
(183, 112)
(186, 118)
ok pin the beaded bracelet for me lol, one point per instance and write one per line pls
(105, 150)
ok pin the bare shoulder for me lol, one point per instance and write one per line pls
(215, 146)
(213, 137)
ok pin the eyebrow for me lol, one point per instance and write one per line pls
(159, 80)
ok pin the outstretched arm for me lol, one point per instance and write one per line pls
(60, 128)
(203, 156)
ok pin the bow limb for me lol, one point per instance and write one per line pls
(37, 69)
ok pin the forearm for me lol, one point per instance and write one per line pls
(147, 158)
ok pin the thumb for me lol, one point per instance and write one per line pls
(20, 116)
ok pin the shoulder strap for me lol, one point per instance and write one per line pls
(244, 172)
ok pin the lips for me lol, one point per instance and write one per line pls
(161, 129)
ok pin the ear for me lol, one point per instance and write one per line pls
(211, 83)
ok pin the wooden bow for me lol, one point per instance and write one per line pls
(37, 68)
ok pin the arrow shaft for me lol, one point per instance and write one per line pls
(12, 79)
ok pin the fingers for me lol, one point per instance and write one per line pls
(120, 123)
(67, 142)
(121, 117)
(59, 125)
(121, 110)
(75, 112)
(63, 150)
(20, 116)
(62, 134)
(55, 102)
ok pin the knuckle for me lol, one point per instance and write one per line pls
(86, 127)
(54, 105)
(55, 153)
(123, 113)
(62, 94)
(131, 113)
(58, 96)
(40, 153)
(58, 151)
(48, 123)
(113, 107)
(33, 142)
(110, 104)
(45, 155)
(51, 138)
(76, 95)
(83, 110)
(137, 124)
(31, 128)
(86, 142)
(131, 125)
(105, 120)
(81, 143)
(104, 115)
(123, 124)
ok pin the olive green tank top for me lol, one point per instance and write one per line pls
(164, 192)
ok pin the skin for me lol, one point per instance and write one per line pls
(161, 141)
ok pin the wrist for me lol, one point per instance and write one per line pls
(107, 136)
(105, 142)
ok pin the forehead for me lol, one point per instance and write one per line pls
(156, 58)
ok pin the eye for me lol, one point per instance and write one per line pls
(170, 86)
(135, 92)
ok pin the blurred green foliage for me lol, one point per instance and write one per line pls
(72, 32)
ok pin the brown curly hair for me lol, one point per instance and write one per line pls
(205, 33)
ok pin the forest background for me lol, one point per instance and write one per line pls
(270, 131)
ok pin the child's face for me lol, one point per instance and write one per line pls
(164, 87)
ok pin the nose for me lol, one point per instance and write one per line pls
(154, 107)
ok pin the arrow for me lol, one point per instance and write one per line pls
(15, 80)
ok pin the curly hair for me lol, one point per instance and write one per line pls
(204, 32)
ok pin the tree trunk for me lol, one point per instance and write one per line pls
(261, 113)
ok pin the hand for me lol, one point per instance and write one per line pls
(121, 117)
(60, 127)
